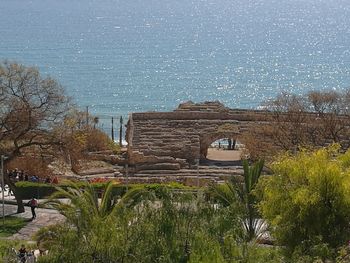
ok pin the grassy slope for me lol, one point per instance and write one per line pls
(12, 225)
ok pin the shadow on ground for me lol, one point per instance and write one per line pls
(220, 163)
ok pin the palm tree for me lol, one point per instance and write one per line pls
(238, 190)
(90, 222)
(253, 225)
(80, 203)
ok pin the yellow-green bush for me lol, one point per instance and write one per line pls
(307, 200)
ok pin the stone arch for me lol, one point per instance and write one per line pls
(182, 136)
(227, 130)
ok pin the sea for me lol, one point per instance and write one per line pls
(122, 56)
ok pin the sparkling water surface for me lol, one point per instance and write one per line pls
(120, 56)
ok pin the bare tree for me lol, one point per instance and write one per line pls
(31, 107)
(315, 119)
(290, 120)
(332, 112)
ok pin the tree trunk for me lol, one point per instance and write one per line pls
(19, 200)
(13, 188)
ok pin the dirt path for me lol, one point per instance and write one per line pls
(223, 155)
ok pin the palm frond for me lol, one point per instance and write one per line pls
(134, 196)
(107, 201)
(240, 191)
(224, 193)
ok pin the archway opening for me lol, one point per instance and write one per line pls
(223, 152)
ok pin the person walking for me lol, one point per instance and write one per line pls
(33, 203)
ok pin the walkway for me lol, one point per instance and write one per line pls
(44, 217)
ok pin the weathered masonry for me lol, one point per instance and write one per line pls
(184, 135)
(166, 146)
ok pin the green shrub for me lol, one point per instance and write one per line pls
(41, 190)
(173, 228)
(307, 202)
(28, 190)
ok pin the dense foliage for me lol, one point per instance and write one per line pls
(307, 201)
(239, 193)
(154, 224)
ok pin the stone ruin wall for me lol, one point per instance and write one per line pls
(183, 136)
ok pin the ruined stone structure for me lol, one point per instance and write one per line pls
(181, 137)
(172, 143)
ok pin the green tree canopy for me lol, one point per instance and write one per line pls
(307, 200)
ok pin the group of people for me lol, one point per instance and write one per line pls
(28, 256)
(19, 175)
(23, 254)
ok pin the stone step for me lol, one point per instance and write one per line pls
(192, 171)
(157, 172)
(95, 171)
(104, 175)
(183, 174)
(150, 179)
(159, 166)
(214, 167)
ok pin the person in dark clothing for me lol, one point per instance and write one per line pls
(48, 180)
(34, 179)
(33, 203)
(15, 174)
(9, 174)
(22, 253)
(20, 176)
